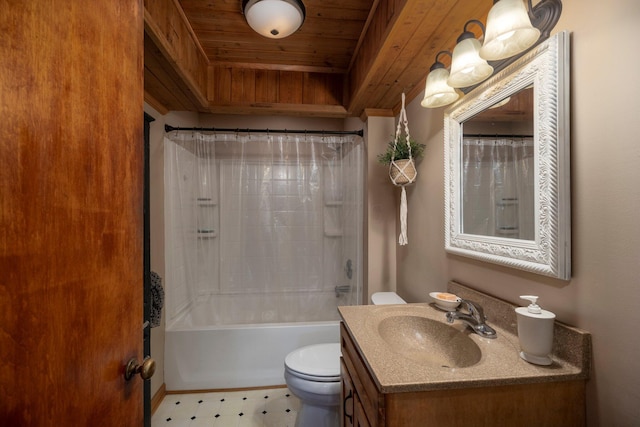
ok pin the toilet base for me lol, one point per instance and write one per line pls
(319, 401)
(317, 416)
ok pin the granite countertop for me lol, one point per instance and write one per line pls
(499, 364)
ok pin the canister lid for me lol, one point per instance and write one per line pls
(544, 314)
(534, 310)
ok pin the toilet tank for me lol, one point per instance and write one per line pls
(382, 298)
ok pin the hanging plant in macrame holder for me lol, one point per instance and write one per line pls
(402, 171)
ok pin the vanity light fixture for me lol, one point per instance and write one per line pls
(512, 29)
(509, 30)
(437, 92)
(467, 67)
(274, 19)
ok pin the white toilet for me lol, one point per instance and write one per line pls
(312, 373)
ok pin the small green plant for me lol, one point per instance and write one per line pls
(401, 150)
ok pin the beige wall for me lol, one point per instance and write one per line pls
(380, 215)
(604, 293)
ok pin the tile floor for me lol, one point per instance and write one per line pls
(252, 408)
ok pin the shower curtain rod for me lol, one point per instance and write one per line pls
(168, 128)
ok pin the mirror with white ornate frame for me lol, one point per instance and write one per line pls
(545, 248)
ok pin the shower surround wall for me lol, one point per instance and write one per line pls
(280, 225)
(258, 240)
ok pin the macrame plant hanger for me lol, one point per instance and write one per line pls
(402, 172)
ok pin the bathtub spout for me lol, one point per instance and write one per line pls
(342, 289)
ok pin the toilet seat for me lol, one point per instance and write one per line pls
(318, 362)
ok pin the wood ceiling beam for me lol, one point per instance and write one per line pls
(400, 46)
(281, 109)
(166, 24)
(393, 56)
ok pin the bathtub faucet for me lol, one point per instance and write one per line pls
(474, 318)
(342, 289)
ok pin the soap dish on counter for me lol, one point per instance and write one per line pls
(445, 300)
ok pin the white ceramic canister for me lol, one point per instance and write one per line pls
(535, 331)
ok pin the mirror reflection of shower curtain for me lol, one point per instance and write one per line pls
(498, 187)
(264, 224)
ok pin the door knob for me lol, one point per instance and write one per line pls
(146, 369)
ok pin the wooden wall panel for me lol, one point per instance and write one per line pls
(309, 93)
(222, 84)
(400, 32)
(380, 25)
(164, 88)
(291, 87)
(267, 82)
(226, 64)
(325, 43)
(167, 26)
(237, 85)
(242, 86)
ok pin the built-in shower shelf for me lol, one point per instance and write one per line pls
(333, 232)
(333, 203)
(206, 201)
(207, 234)
(507, 202)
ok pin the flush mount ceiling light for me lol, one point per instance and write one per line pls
(274, 19)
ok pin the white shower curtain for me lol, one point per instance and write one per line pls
(265, 222)
(498, 187)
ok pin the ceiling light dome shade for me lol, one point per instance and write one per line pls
(509, 31)
(467, 67)
(275, 19)
(437, 93)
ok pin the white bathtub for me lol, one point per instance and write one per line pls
(199, 356)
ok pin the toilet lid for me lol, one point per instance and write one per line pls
(318, 360)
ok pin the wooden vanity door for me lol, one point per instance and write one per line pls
(348, 395)
(360, 418)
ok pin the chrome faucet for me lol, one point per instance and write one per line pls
(475, 318)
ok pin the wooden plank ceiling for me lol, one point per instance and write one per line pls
(349, 56)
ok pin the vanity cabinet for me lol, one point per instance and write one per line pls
(556, 403)
(356, 386)
(352, 412)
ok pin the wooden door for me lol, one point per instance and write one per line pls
(71, 181)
